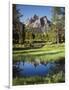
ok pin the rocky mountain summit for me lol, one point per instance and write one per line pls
(38, 24)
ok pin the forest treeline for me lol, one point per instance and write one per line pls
(54, 31)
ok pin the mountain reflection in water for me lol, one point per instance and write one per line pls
(27, 69)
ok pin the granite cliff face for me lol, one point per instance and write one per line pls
(38, 24)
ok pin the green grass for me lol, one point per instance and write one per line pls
(53, 47)
(46, 53)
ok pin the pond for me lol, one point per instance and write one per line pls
(28, 69)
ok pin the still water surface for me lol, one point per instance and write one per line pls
(27, 69)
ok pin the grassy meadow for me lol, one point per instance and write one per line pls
(46, 53)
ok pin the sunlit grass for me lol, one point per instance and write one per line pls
(45, 48)
(46, 53)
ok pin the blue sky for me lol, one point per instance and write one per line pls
(29, 10)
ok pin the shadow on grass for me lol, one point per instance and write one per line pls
(27, 48)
